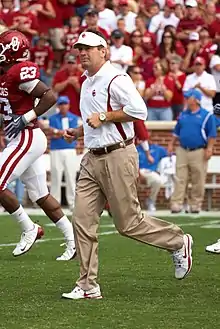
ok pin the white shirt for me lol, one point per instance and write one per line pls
(129, 21)
(215, 60)
(107, 20)
(124, 53)
(207, 81)
(158, 23)
(93, 99)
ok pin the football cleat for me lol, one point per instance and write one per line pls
(79, 293)
(182, 258)
(27, 240)
(69, 253)
(214, 248)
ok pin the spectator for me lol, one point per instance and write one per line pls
(191, 22)
(128, 15)
(179, 78)
(91, 20)
(67, 82)
(203, 81)
(149, 9)
(209, 14)
(135, 74)
(45, 14)
(107, 19)
(169, 46)
(167, 17)
(205, 45)
(8, 7)
(179, 11)
(71, 33)
(120, 55)
(196, 132)
(136, 44)
(24, 21)
(214, 29)
(144, 57)
(148, 172)
(122, 27)
(159, 93)
(148, 38)
(64, 159)
(215, 70)
(43, 56)
(193, 48)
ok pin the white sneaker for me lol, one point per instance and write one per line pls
(27, 240)
(78, 293)
(182, 258)
(69, 253)
(214, 248)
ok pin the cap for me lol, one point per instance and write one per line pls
(191, 3)
(195, 93)
(199, 60)
(70, 58)
(63, 100)
(117, 34)
(170, 3)
(217, 109)
(123, 2)
(91, 11)
(90, 39)
(194, 36)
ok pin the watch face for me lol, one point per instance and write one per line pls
(102, 116)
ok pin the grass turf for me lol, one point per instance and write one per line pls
(137, 281)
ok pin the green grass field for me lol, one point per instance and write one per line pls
(137, 282)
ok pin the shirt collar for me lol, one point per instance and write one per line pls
(101, 72)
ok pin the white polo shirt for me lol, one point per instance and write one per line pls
(215, 60)
(123, 53)
(93, 99)
(130, 25)
(207, 81)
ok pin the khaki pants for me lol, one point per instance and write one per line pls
(193, 163)
(114, 177)
(153, 181)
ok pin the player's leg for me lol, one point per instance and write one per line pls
(71, 169)
(57, 168)
(14, 159)
(35, 180)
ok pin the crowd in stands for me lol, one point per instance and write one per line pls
(166, 46)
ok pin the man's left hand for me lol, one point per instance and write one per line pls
(93, 121)
(16, 125)
(208, 153)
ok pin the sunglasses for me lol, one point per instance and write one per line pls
(167, 36)
(198, 64)
(136, 72)
(136, 35)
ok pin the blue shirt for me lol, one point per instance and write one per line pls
(194, 129)
(157, 152)
(56, 122)
(217, 121)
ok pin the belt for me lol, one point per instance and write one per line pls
(193, 149)
(110, 148)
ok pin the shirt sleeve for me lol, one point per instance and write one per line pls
(124, 94)
(212, 83)
(215, 60)
(186, 85)
(210, 128)
(29, 85)
(176, 131)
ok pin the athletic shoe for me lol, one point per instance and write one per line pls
(78, 293)
(214, 248)
(27, 240)
(69, 253)
(182, 258)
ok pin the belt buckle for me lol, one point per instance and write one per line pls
(122, 144)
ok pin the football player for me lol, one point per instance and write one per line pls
(20, 87)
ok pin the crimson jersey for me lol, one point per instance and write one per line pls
(12, 98)
(70, 37)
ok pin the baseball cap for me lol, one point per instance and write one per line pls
(90, 39)
(117, 34)
(191, 3)
(199, 60)
(63, 100)
(195, 93)
(91, 11)
(217, 109)
(170, 3)
(194, 36)
(123, 2)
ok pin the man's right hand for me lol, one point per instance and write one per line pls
(70, 135)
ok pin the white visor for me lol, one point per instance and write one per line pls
(90, 39)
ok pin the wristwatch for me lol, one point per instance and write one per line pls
(102, 117)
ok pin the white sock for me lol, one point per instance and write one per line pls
(67, 229)
(23, 219)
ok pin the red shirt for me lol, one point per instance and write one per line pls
(190, 24)
(70, 37)
(178, 98)
(146, 65)
(12, 99)
(70, 91)
(204, 52)
(214, 28)
(56, 22)
(5, 15)
(42, 56)
(158, 100)
(149, 39)
(29, 20)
